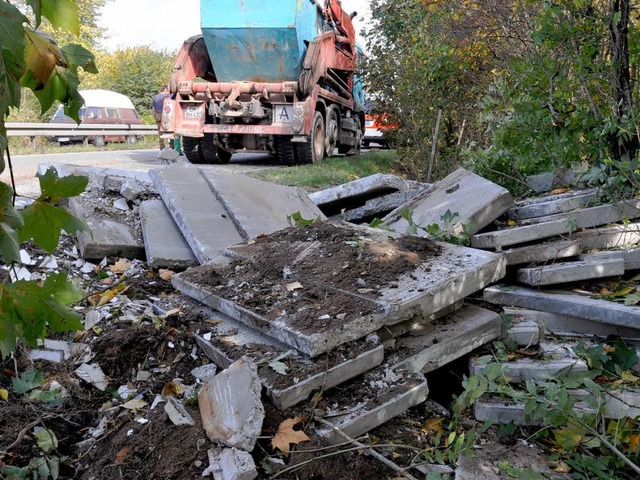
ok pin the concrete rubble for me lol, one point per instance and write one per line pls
(395, 331)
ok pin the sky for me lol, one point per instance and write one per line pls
(131, 23)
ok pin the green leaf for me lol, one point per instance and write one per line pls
(54, 188)
(43, 223)
(12, 29)
(29, 380)
(54, 467)
(15, 473)
(78, 56)
(278, 367)
(46, 439)
(62, 14)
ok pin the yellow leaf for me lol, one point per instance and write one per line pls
(97, 330)
(433, 425)
(135, 404)
(293, 286)
(634, 443)
(4, 394)
(286, 435)
(561, 467)
(121, 456)
(629, 377)
(512, 223)
(172, 389)
(120, 266)
(41, 56)
(165, 274)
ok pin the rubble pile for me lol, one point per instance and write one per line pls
(284, 298)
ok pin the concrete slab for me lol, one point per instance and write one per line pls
(566, 325)
(525, 334)
(113, 177)
(381, 206)
(609, 237)
(523, 369)
(564, 303)
(258, 207)
(231, 408)
(202, 219)
(417, 326)
(332, 200)
(630, 257)
(545, 205)
(564, 272)
(477, 201)
(164, 244)
(439, 282)
(544, 252)
(498, 411)
(363, 406)
(559, 224)
(453, 337)
(108, 235)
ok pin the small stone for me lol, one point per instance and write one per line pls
(324, 317)
(88, 267)
(25, 258)
(21, 274)
(91, 319)
(234, 464)
(143, 376)
(93, 374)
(177, 413)
(49, 263)
(205, 373)
(121, 204)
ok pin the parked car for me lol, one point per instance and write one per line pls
(376, 126)
(100, 107)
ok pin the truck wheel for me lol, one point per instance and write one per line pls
(358, 148)
(208, 150)
(98, 141)
(223, 156)
(131, 139)
(332, 132)
(192, 149)
(285, 150)
(313, 150)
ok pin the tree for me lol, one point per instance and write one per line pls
(32, 59)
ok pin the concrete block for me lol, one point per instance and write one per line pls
(109, 179)
(521, 370)
(630, 257)
(234, 464)
(417, 326)
(332, 200)
(501, 412)
(257, 207)
(177, 413)
(564, 303)
(439, 282)
(55, 356)
(559, 224)
(381, 206)
(164, 244)
(544, 252)
(564, 272)
(565, 325)
(609, 237)
(231, 408)
(204, 222)
(453, 337)
(545, 205)
(477, 201)
(543, 182)
(525, 334)
(361, 407)
(109, 235)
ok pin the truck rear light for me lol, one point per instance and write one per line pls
(168, 116)
(297, 122)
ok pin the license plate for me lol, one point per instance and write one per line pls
(193, 112)
(282, 113)
(63, 139)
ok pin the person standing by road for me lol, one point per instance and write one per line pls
(157, 102)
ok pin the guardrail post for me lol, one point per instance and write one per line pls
(34, 146)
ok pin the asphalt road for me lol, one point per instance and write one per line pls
(25, 167)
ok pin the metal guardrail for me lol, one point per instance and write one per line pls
(56, 129)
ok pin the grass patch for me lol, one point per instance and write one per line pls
(333, 171)
(22, 146)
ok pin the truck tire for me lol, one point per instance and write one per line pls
(98, 141)
(192, 149)
(313, 150)
(131, 139)
(222, 156)
(332, 131)
(285, 150)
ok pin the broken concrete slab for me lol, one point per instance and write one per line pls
(564, 303)
(258, 207)
(477, 201)
(609, 237)
(109, 179)
(363, 406)
(544, 252)
(200, 216)
(231, 408)
(177, 413)
(552, 204)
(525, 333)
(558, 225)
(108, 236)
(234, 464)
(380, 206)
(523, 369)
(453, 274)
(93, 374)
(565, 272)
(164, 244)
(497, 411)
(419, 325)
(630, 257)
(565, 325)
(453, 337)
(334, 199)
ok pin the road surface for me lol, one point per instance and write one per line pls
(25, 167)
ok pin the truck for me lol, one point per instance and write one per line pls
(271, 77)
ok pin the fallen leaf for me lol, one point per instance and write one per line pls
(172, 389)
(512, 223)
(433, 425)
(135, 404)
(286, 435)
(4, 394)
(558, 191)
(561, 467)
(97, 330)
(293, 286)
(121, 455)
(120, 266)
(634, 443)
(629, 377)
(165, 274)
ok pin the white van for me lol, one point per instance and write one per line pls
(104, 107)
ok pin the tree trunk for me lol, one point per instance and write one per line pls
(619, 28)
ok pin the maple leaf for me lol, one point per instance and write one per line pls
(433, 425)
(165, 274)
(120, 266)
(286, 435)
